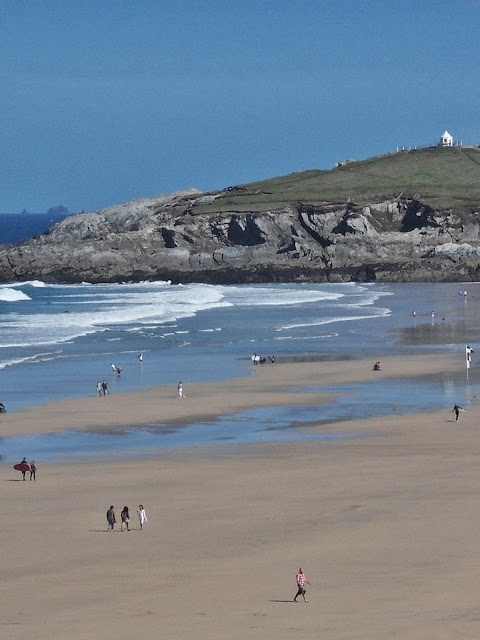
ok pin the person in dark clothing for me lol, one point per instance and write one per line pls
(456, 410)
(111, 520)
(24, 461)
(125, 517)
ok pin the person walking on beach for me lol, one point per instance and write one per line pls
(180, 390)
(33, 470)
(456, 410)
(301, 582)
(111, 520)
(99, 388)
(104, 387)
(24, 461)
(125, 517)
(142, 516)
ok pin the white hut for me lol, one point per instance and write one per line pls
(446, 140)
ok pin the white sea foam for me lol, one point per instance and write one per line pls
(368, 298)
(39, 357)
(27, 283)
(145, 307)
(12, 295)
(39, 284)
(265, 296)
(325, 321)
(301, 338)
(129, 308)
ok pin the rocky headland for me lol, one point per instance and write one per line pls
(257, 233)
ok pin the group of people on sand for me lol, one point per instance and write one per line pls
(102, 388)
(33, 469)
(125, 518)
(256, 359)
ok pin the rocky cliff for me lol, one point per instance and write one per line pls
(170, 238)
(317, 225)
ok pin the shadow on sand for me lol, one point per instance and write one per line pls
(282, 601)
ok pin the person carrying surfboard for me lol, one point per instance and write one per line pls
(22, 466)
(25, 468)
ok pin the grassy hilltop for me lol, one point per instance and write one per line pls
(442, 177)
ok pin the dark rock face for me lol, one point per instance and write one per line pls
(164, 238)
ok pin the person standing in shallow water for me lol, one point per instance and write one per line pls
(301, 582)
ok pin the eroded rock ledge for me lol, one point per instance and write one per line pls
(170, 238)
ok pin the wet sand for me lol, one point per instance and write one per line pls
(385, 527)
(280, 385)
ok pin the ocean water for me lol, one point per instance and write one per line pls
(16, 227)
(57, 340)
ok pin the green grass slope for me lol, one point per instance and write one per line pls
(442, 177)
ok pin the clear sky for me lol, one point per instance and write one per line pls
(103, 101)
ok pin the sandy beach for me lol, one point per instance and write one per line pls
(385, 527)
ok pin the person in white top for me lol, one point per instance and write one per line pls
(142, 516)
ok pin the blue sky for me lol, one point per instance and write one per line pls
(105, 101)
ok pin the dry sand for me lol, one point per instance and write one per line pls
(385, 527)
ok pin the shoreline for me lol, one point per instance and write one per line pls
(285, 384)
